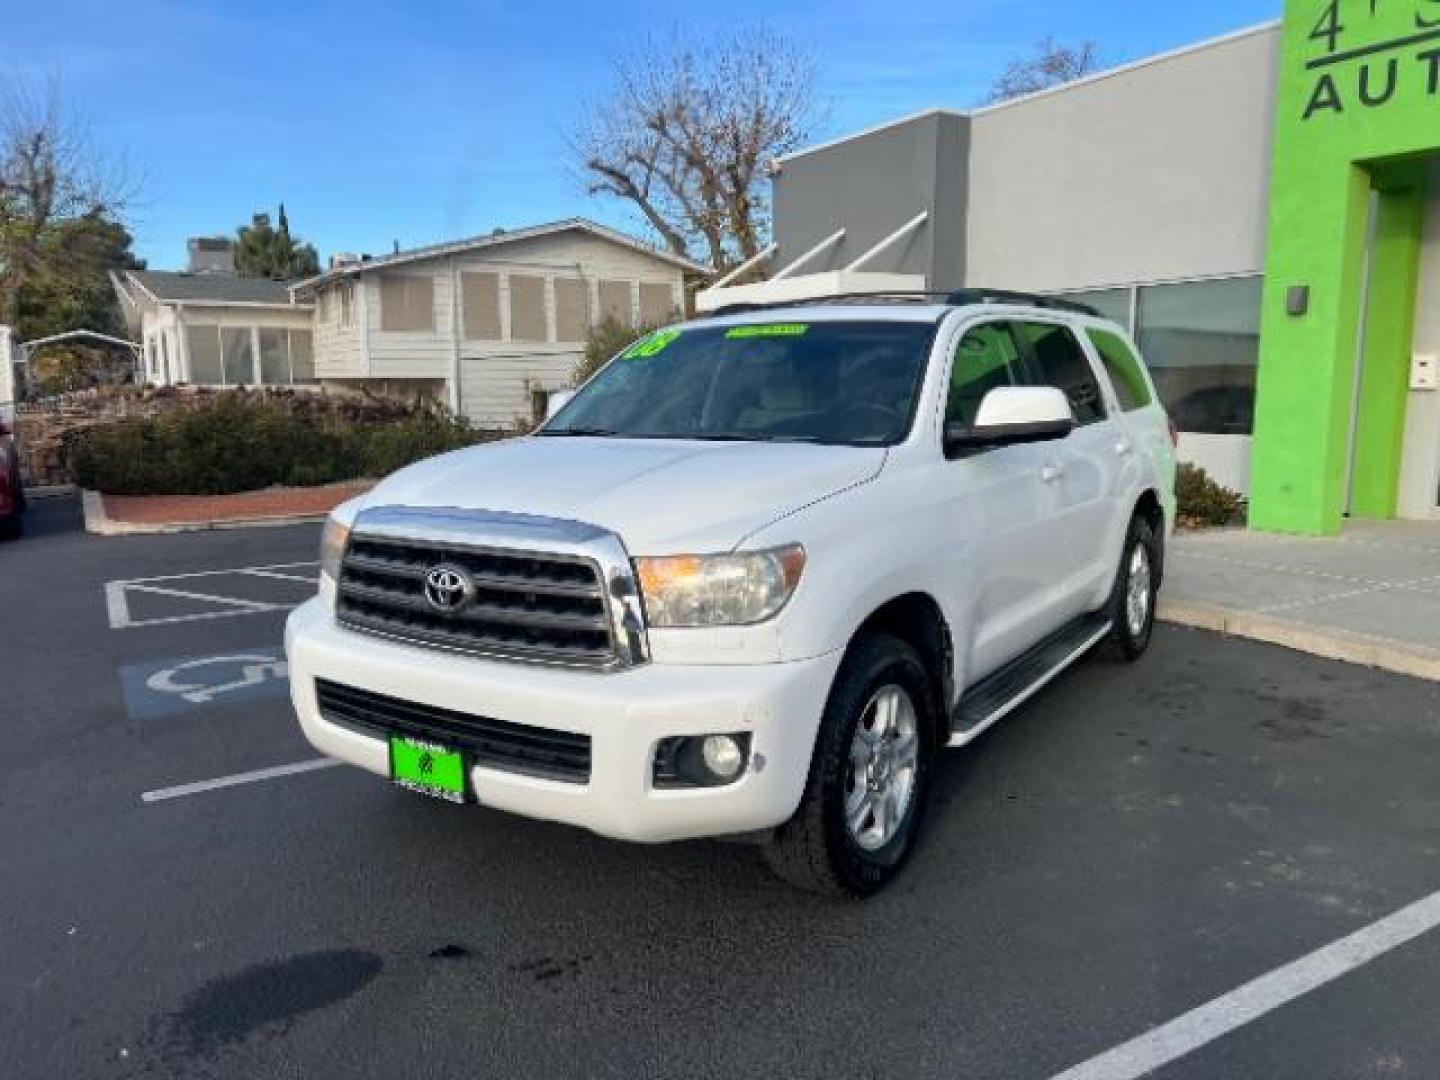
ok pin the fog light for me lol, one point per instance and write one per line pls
(691, 761)
(723, 756)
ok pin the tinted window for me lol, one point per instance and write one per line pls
(1124, 368)
(847, 383)
(1058, 361)
(986, 357)
(1201, 341)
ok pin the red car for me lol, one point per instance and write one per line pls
(12, 492)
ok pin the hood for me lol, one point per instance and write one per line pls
(661, 496)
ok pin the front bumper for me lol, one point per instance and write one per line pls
(625, 713)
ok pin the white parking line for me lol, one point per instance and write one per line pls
(214, 604)
(1168, 1042)
(237, 779)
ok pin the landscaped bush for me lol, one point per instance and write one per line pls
(243, 440)
(606, 339)
(1204, 503)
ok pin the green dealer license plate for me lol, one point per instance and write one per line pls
(427, 768)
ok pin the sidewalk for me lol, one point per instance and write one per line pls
(1370, 596)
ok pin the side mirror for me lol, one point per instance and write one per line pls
(1011, 415)
(557, 400)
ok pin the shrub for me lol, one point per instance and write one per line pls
(1204, 503)
(240, 441)
(607, 339)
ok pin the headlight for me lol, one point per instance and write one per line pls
(333, 539)
(719, 590)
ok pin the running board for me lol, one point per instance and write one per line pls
(997, 695)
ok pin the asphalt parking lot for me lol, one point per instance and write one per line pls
(1135, 843)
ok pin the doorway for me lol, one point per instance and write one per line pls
(1389, 295)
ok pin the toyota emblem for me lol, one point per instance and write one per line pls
(448, 589)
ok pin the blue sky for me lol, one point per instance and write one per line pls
(424, 121)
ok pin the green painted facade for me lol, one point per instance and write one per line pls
(1358, 114)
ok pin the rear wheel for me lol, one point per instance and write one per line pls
(1137, 587)
(865, 794)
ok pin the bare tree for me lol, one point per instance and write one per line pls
(1052, 64)
(51, 173)
(685, 135)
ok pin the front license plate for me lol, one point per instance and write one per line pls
(428, 769)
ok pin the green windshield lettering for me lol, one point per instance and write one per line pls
(649, 346)
(741, 333)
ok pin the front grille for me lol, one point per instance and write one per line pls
(552, 755)
(526, 605)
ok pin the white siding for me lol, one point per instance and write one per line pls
(495, 389)
(1155, 173)
(338, 351)
(409, 354)
(496, 377)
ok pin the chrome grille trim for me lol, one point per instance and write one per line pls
(548, 591)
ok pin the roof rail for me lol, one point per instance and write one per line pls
(966, 297)
(954, 298)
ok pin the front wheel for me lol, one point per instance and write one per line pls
(865, 794)
(1137, 588)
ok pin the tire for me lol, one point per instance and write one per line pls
(1132, 603)
(817, 849)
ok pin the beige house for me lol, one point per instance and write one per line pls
(214, 329)
(492, 324)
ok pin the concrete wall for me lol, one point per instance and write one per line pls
(871, 185)
(1152, 173)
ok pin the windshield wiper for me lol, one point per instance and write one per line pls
(748, 436)
(595, 432)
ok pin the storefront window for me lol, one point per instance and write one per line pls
(1201, 341)
(1112, 304)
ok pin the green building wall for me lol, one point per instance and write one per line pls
(1358, 114)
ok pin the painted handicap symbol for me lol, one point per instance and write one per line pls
(188, 679)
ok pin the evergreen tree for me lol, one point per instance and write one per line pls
(263, 250)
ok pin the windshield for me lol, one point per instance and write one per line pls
(840, 383)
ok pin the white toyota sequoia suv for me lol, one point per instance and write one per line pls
(753, 576)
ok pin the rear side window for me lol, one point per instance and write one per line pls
(986, 357)
(1059, 361)
(1124, 367)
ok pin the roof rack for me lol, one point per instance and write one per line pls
(953, 298)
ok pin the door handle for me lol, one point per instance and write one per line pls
(1051, 474)
(1124, 448)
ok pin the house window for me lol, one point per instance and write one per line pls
(204, 344)
(657, 304)
(615, 304)
(302, 356)
(407, 303)
(527, 308)
(572, 306)
(274, 357)
(1201, 340)
(480, 295)
(346, 295)
(237, 353)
